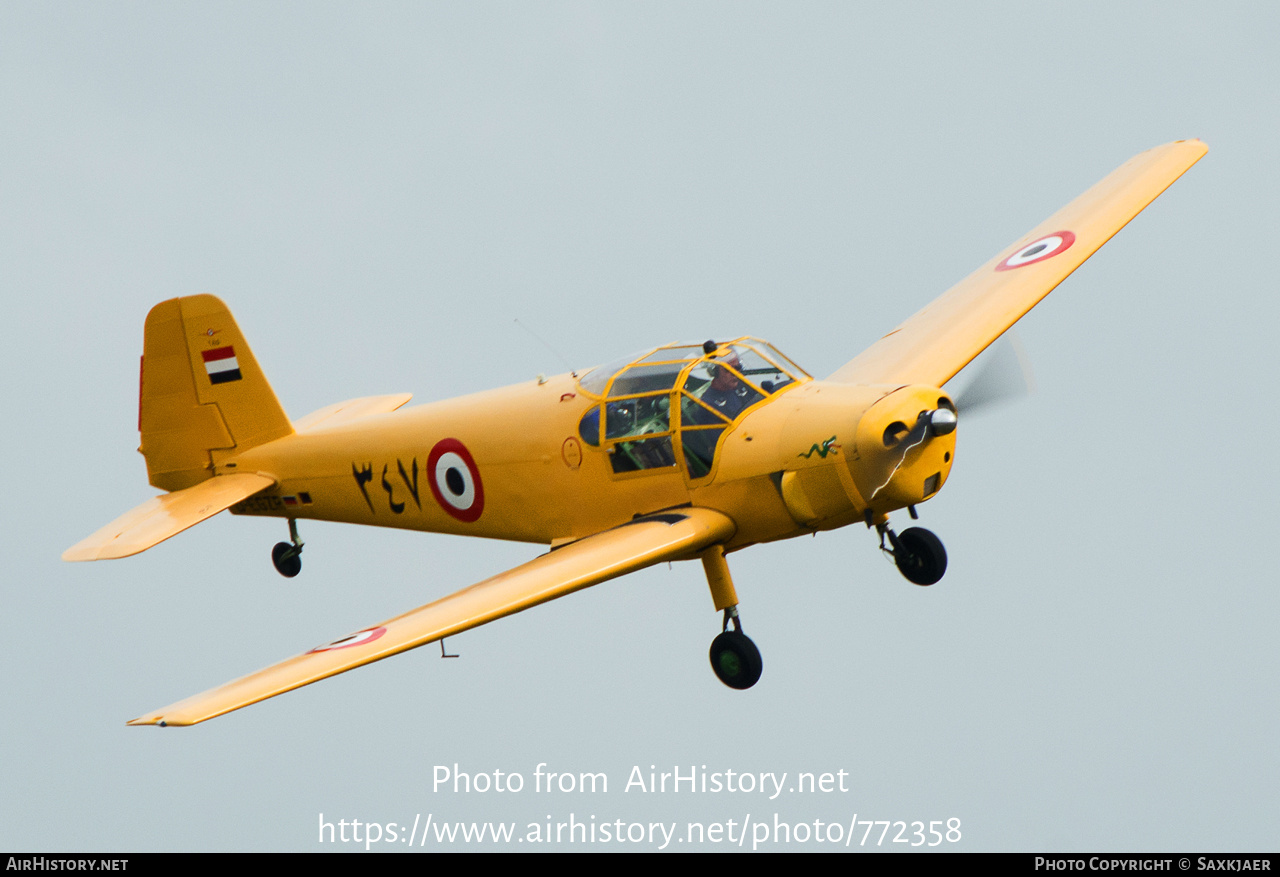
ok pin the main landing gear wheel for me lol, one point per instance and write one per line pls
(920, 556)
(736, 660)
(286, 555)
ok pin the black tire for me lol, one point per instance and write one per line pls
(920, 556)
(736, 660)
(287, 561)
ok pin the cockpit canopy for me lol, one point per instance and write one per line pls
(677, 400)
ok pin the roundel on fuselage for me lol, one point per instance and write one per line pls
(455, 480)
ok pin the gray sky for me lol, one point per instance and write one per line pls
(377, 191)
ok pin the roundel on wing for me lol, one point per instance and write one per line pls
(356, 639)
(455, 480)
(1038, 250)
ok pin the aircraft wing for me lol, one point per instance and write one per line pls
(168, 515)
(941, 339)
(674, 535)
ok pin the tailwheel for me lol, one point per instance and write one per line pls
(735, 659)
(287, 555)
(919, 555)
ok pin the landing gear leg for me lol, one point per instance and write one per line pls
(734, 657)
(285, 555)
(917, 552)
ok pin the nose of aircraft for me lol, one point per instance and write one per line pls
(905, 444)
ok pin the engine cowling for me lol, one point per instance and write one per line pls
(905, 445)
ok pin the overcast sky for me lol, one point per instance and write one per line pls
(379, 190)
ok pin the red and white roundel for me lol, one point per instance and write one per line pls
(1038, 250)
(455, 480)
(356, 639)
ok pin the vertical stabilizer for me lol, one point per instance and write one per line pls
(202, 396)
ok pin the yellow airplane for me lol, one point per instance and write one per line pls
(682, 451)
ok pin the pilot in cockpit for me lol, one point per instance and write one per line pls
(727, 393)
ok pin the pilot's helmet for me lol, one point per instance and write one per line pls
(723, 380)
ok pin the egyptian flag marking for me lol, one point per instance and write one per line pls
(220, 363)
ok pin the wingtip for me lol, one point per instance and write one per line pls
(85, 549)
(148, 720)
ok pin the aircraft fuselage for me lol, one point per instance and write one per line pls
(511, 464)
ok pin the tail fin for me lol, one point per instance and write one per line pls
(202, 395)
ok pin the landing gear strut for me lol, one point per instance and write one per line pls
(918, 553)
(285, 555)
(734, 657)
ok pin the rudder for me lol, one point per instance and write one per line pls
(202, 396)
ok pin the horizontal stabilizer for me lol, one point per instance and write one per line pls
(163, 516)
(676, 535)
(340, 412)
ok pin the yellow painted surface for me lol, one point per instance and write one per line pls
(723, 593)
(593, 560)
(340, 412)
(163, 516)
(190, 420)
(934, 344)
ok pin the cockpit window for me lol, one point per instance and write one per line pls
(647, 421)
(781, 359)
(595, 380)
(718, 386)
(674, 352)
(699, 447)
(760, 371)
(677, 401)
(637, 416)
(654, 453)
(646, 379)
(589, 426)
